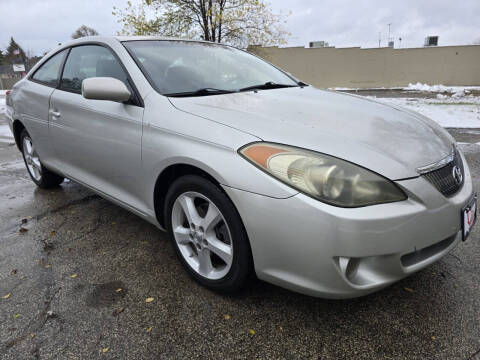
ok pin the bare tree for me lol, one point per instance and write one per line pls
(237, 22)
(83, 31)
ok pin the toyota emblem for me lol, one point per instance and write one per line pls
(457, 175)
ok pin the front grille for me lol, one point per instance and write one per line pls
(443, 179)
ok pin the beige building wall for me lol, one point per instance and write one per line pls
(377, 67)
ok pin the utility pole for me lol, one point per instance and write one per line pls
(379, 39)
(390, 24)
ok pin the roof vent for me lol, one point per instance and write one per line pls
(317, 44)
(431, 41)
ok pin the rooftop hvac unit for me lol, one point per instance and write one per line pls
(431, 41)
(318, 44)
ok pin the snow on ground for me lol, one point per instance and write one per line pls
(454, 106)
(3, 107)
(360, 89)
(5, 133)
(455, 111)
(456, 91)
(461, 90)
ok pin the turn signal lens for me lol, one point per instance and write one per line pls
(326, 178)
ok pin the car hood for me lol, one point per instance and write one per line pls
(388, 140)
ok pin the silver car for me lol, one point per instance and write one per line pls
(249, 169)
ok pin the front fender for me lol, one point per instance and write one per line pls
(176, 137)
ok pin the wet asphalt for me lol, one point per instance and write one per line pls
(74, 285)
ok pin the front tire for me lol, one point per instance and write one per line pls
(207, 234)
(40, 175)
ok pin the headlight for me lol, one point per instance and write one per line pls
(326, 178)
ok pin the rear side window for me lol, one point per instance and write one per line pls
(49, 72)
(88, 61)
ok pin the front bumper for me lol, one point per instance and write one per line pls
(307, 246)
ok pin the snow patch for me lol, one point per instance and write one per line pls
(459, 90)
(3, 106)
(5, 131)
(455, 91)
(428, 88)
(359, 89)
(459, 112)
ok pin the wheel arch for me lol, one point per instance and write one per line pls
(18, 127)
(167, 177)
(175, 171)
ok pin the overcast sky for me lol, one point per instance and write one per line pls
(38, 25)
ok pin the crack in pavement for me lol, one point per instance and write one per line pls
(37, 323)
(37, 217)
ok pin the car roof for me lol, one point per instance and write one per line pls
(122, 38)
(155, 37)
(109, 40)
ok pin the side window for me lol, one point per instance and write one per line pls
(88, 61)
(49, 72)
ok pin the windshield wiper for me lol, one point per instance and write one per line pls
(201, 92)
(266, 86)
(213, 91)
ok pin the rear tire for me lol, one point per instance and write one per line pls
(40, 175)
(207, 234)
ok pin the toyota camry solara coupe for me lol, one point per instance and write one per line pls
(250, 170)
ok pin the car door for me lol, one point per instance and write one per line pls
(97, 141)
(35, 102)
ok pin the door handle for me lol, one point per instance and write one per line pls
(55, 113)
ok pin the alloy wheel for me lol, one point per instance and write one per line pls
(202, 235)
(31, 158)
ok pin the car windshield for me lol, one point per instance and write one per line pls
(196, 69)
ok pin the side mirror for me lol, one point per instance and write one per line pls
(105, 88)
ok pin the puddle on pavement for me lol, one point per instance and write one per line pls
(106, 294)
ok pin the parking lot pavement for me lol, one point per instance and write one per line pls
(75, 283)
